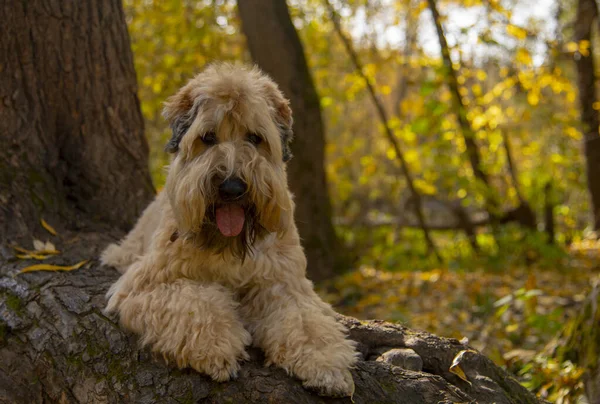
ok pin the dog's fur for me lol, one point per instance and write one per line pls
(198, 297)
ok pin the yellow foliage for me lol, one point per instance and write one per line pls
(516, 32)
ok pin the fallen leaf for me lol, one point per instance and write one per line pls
(32, 256)
(455, 367)
(49, 228)
(49, 267)
(38, 245)
(44, 252)
(49, 246)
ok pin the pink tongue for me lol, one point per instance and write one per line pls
(230, 220)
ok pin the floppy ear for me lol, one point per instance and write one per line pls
(179, 111)
(282, 115)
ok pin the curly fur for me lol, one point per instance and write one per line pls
(200, 298)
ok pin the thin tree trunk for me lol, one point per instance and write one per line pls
(587, 12)
(410, 35)
(549, 213)
(526, 216)
(72, 147)
(390, 135)
(460, 109)
(275, 46)
(512, 169)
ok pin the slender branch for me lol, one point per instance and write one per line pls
(403, 71)
(388, 131)
(461, 114)
(512, 169)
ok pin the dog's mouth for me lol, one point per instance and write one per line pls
(230, 219)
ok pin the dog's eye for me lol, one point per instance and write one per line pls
(209, 138)
(254, 139)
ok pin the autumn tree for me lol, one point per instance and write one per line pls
(72, 144)
(587, 14)
(275, 46)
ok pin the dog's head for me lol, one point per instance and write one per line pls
(227, 183)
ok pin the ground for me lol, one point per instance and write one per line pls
(514, 314)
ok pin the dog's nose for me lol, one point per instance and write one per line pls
(232, 188)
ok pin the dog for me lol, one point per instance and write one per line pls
(215, 263)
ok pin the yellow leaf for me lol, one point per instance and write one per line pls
(572, 47)
(49, 228)
(523, 56)
(424, 187)
(44, 252)
(32, 257)
(455, 367)
(516, 32)
(49, 267)
(533, 99)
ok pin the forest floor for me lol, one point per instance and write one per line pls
(514, 315)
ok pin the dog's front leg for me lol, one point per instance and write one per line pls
(195, 324)
(297, 330)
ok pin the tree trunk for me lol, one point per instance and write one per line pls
(72, 147)
(56, 346)
(587, 12)
(275, 46)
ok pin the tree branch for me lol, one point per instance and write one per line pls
(56, 345)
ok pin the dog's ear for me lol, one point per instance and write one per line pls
(179, 112)
(282, 115)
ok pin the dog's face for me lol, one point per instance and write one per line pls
(227, 183)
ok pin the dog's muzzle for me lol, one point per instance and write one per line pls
(230, 215)
(232, 189)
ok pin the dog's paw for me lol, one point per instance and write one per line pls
(331, 383)
(221, 369)
(221, 359)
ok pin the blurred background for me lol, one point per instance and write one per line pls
(440, 159)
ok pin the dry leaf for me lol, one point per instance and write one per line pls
(49, 267)
(455, 367)
(49, 228)
(30, 252)
(32, 256)
(38, 245)
(49, 246)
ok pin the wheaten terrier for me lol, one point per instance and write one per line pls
(215, 262)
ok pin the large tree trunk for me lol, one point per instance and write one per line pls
(587, 13)
(56, 345)
(275, 46)
(72, 147)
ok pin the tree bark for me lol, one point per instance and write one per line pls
(56, 345)
(587, 12)
(275, 46)
(72, 147)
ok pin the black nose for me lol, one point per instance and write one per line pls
(232, 188)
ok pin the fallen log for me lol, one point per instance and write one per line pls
(56, 345)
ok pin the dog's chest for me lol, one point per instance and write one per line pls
(212, 268)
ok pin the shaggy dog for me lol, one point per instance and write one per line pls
(215, 262)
